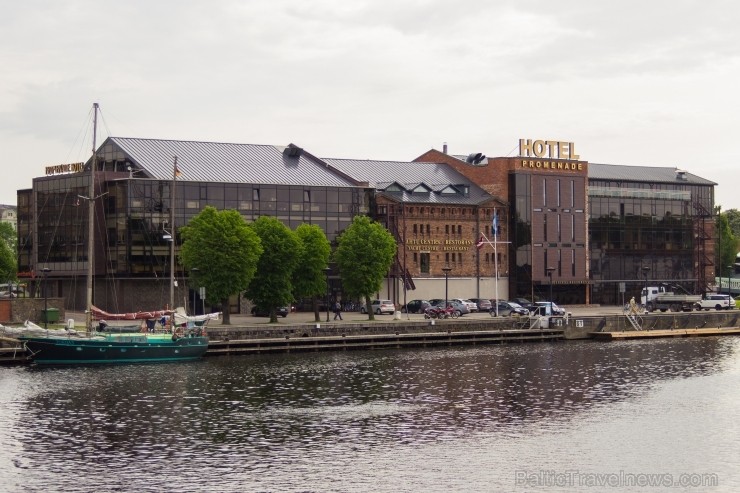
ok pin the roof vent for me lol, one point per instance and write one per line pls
(681, 175)
(475, 158)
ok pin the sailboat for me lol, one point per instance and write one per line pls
(178, 340)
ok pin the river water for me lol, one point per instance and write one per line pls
(577, 416)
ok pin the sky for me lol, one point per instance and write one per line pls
(645, 83)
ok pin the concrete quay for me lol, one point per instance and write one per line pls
(301, 332)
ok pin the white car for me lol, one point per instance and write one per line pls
(716, 301)
(472, 306)
(546, 306)
(380, 306)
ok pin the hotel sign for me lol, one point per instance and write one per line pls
(60, 169)
(550, 149)
(562, 152)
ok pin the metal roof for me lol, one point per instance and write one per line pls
(644, 174)
(448, 186)
(234, 163)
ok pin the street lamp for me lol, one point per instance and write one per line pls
(645, 271)
(549, 274)
(326, 271)
(446, 270)
(46, 271)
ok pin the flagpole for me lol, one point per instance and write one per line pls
(495, 254)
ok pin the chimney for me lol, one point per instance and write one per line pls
(444, 147)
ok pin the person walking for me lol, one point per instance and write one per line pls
(338, 310)
(633, 306)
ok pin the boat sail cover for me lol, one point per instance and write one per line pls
(99, 314)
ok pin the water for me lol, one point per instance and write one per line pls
(580, 416)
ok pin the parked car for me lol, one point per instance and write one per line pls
(416, 306)
(545, 306)
(460, 308)
(524, 303)
(380, 306)
(282, 311)
(483, 304)
(716, 301)
(472, 305)
(12, 290)
(508, 308)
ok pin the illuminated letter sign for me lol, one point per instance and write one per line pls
(551, 149)
(65, 168)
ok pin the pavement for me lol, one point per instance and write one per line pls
(298, 318)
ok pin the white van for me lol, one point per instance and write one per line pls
(716, 301)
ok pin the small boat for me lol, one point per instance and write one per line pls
(100, 345)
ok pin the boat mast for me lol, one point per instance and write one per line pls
(175, 172)
(91, 224)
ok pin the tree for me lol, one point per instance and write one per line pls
(364, 256)
(733, 218)
(9, 236)
(8, 266)
(225, 250)
(309, 279)
(727, 249)
(271, 286)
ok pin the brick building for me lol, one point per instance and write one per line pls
(437, 216)
(593, 232)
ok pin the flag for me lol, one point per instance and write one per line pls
(177, 171)
(494, 225)
(480, 243)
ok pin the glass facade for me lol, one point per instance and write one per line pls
(645, 232)
(133, 217)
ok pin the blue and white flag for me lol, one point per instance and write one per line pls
(494, 226)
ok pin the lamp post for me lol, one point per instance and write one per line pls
(645, 271)
(549, 274)
(46, 271)
(446, 270)
(326, 271)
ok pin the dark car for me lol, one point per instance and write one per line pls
(525, 303)
(508, 308)
(483, 304)
(281, 311)
(416, 306)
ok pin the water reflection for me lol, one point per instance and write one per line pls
(287, 422)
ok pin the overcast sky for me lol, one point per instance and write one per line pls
(649, 83)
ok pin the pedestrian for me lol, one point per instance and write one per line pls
(338, 310)
(633, 306)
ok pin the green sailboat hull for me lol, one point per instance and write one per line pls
(115, 349)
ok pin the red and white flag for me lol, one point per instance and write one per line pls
(480, 243)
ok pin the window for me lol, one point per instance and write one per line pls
(424, 258)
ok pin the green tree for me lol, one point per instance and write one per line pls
(309, 279)
(272, 286)
(733, 218)
(364, 256)
(8, 266)
(225, 250)
(9, 236)
(727, 249)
